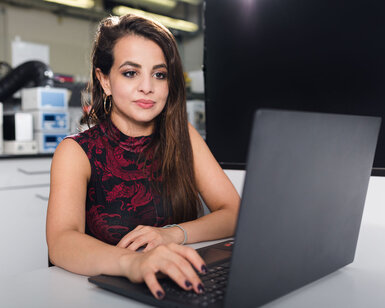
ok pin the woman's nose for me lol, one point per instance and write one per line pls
(145, 85)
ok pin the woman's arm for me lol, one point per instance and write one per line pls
(70, 248)
(217, 192)
(68, 245)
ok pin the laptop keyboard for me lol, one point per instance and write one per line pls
(214, 281)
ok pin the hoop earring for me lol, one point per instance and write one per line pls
(107, 110)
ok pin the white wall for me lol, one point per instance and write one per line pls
(237, 177)
(191, 51)
(191, 48)
(70, 39)
(3, 34)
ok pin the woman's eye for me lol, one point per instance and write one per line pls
(160, 75)
(129, 74)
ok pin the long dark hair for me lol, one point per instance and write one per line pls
(171, 144)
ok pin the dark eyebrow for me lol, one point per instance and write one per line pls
(159, 66)
(130, 63)
(139, 66)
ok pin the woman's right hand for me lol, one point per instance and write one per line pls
(172, 259)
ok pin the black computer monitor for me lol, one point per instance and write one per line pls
(318, 55)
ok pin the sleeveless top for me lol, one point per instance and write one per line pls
(119, 193)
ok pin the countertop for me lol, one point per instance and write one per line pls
(16, 156)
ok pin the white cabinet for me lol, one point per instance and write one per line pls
(24, 172)
(24, 191)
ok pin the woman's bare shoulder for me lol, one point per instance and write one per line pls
(195, 137)
(70, 157)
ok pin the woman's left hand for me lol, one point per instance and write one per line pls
(149, 236)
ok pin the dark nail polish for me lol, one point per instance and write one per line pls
(159, 294)
(204, 269)
(201, 288)
(188, 283)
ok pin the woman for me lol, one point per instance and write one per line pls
(127, 181)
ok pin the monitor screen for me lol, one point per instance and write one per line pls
(319, 55)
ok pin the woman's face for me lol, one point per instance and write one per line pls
(138, 84)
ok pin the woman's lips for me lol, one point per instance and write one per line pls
(144, 103)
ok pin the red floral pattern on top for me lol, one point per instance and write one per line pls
(119, 195)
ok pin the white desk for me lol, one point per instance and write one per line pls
(360, 284)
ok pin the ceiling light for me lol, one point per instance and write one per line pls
(85, 4)
(193, 2)
(163, 2)
(177, 24)
(168, 4)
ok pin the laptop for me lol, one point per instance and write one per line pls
(300, 215)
